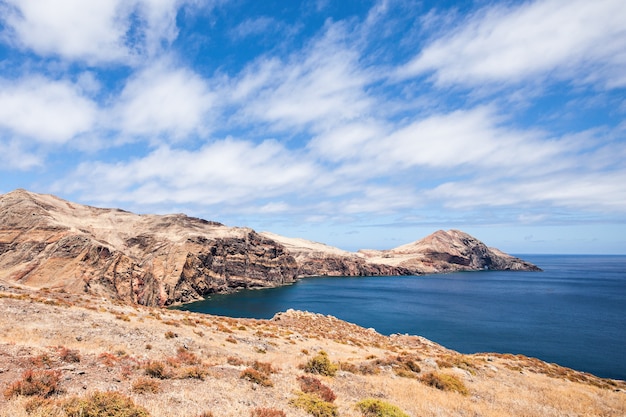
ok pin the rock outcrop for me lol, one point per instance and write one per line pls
(447, 251)
(159, 260)
(145, 259)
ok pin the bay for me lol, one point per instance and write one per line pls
(573, 313)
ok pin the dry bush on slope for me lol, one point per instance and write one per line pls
(377, 408)
(257, 377)
(103, 404)
(143, 385)
(35, 382)
(445, 382)
(311, 385)
(314, 405)
(321, 364)
(267, 412)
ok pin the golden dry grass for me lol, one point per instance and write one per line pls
(99, 345)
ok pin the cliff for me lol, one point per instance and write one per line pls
(158, 260)
(141, 259)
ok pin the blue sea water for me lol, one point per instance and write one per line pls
(573, 313)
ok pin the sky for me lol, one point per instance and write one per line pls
(361, 124)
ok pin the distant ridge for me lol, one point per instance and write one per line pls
(159, 260)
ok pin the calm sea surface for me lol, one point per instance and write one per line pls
(573, 313)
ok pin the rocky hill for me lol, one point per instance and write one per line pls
(159, 260)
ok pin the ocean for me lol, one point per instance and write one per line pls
(573, 313)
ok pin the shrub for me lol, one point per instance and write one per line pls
(35, 382)
(39, 406)
(377, 408)
(41, 361)
(192, 372)
(267, 412)
(263, 367)
(314, 405)
(156, 369)
(170, 335)
(232, 360)
(143, 385)
(69, 355)
(320, 364)
(104, 404)
(445, 382)
(311, 385)
(108, 359)
(183, 357)
(206, 414)
(257, 377)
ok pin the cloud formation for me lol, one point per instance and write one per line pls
(390, 113)
(573, 40)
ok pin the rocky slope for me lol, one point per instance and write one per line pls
(158, 260)
(143, 259)
(447, 251)
(181, 364)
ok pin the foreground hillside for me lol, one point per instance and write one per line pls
(160, 260)
(63, 354)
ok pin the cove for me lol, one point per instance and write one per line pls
(573, 313)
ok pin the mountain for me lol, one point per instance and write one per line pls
(159, 260)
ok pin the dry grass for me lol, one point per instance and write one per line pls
(94, 351)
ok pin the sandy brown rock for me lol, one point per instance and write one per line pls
(448, 251)
(144, 259)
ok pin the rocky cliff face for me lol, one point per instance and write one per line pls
(159, 260)
(150, 260)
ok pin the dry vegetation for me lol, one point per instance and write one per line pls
(64, 355)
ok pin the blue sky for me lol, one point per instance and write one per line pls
(362, 124)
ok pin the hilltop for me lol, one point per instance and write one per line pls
(159, 260)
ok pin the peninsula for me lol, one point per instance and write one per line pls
(159, 260)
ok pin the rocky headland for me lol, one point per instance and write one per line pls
(82, 331)
(159, 260)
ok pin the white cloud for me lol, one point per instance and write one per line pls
(347, 141)
(224, 172)
(255, 26)
(570, 39)
(45, 111)
(314, 89)
(597, 191)
(96, 30)
(13, 156)
(465, 141)
(163, 101)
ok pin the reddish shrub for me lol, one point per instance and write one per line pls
(313, 385)
(35, 382)
(257, 377)
(69, 355)
(267, 412)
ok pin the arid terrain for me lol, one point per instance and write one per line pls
(58, 348)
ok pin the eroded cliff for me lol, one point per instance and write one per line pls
(159, 260)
